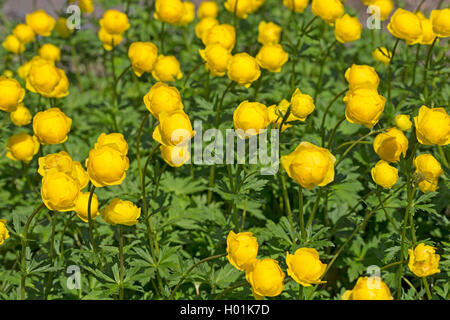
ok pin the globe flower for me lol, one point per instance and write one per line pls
(107, 166)
(429, 169)
(384, 175)
(24, 33)
(223, 34)
(266, 278)
(116, 139)
(368, 288)
(305, 267)
(114, 22)
(41, 23)
(59, 191)
(21, 116)
(4, 234)
(61, 162)
(382, 54)
(216, 58)
(272, 57)
(82, 205)
(208, 9)
(423, 261)
(11, 94)
(364, 106)
(162, 98)
(403, 122)
(51, 126)
(175, 156)
(302, 105)
(242, 249)
(428, 35)
(24, 70)
(328, 10)
(204, 26)
(243, 69)
(347, 29)
(22, 147)
(61, 28)
(297, 5)
(173, 129)
(79, 174)
(310, 165)
(167, 68)
(8, 73)
(405, 25)
(109, 41)
(239, 7)
(440, 21)
(250, 118)
(143, 56)
(121, 212)
(50, 52)
(169, 11)
(432, 126)
(86, 6)
(385, 8)
(268, 33)
(13, 44)
(277, 113)
(362, 76)
(47, 80)
(390, 145)
(188, 13)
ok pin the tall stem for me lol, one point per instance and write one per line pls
(121, 271)
(316, 205)
(322, 64)
(415, 65)
(90, 222)
(300, 208)
(390, 72)
(287, 205)
(425, 71)
(322, 126)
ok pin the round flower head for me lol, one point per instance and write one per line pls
(364, 106)
(24, 33)
(114, 22)
(368, 288)
(216, 58)
(390, 145)
(143, 56)
(59, 191)
(61, 28)
(310, 165)
(4, 234)
(432, 126)
(382, 54)
(239, 7)
(21, 116)
(188, 13)
(82, 204)
(250, 118)
(305, 267)
(423, 261)
(13, 44)
(109, 41)
(61, 162)
(297, 5)
(169, 11)
(266, 278)
(11, 94)
(405, 25)
(41, 23)
(268, 33)
(175, 156)
(24, 70)
(167, 68)
(428, 35)
(50, 52)
(162, 98)
(440, 19)
(272, 57)
(242, 249)
(385, 8)
(302, 105)
(121, 212)
(328, 10)
(362, 76)
(403, 122)
(347, 29)
(243, 69)
(22, 147)
(384, 175)
(115, 139)
(51, 126)
(173, 129)
(223, 34)
(86, 6)
(47, 80)
(208, 9)
(202, 28)
(429, 170)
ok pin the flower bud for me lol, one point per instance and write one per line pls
(432, 126)
(208, 9)
(167, 68)
(11, 94)
(24, 33)
(347, 29)
(250, 118)
(305, 267)
(61, 28)
(268, 33)
(277, 113)
(86, 6)
(405, 25)
(41, 23)
(364, 106)
(162, 98)
(121, 212)
(109, 41)
(59, 191)
(423, 261)
(82, 204)
(362, 76)
(114, 22)
(266, 278)
(50, 52)
(242, 249)
(430, 169)
(403, 122)
(328, 10)
(243, 69)
(21, 116)
(4, 234)
(272, 57)
(51, 126)
(216, 58)
(22, 147)
(302, 105)
(385, 8)
(390, 145)
(107, 166)
(382, 54)
(368, 288)
(384, 175)
(13, 45)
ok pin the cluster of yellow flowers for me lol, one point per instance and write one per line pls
(174, 12)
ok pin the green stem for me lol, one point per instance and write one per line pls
(415, 65)
(333, 133)
(322, 64)
(390, 72)
(388, 216)
(443, 157)
(322, 126)
(90, 222)
(302, 217)
(316, 205)
(393, 264)
(114, 96)
(161, 38)
(288, 205)
(425, 71)
(121, 271)
(50, 255)
(427, 288)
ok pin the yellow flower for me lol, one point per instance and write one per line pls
(167, 68)
(242, 249)
(208, 9)
(385, 7)
(24, 70)
(266, 278)
(41, 23)
(347, 29)
(116, 139)
(82, 204)
(11, 94)
(432, 126)
(268, 33)
(362, 76)
(272, 57)
(170, 11)
(364, 106)
(188, 13)
(305, 267)
(423, 261)
(13, 44)
(384, 175)
(241, 7)
(47, 80)
(255, 5)
(143, 56)
(162, 98)
(51, 126)
(390, 145)
(277, 112)
(173, 129)
(21, 116)
(107, 166)
(114, 22)
(382, 54)
(59, 191)
(109, 41)
(175, 156)
(50, 52)
(427, 29)
(24, 33)
(243, 69)
(62, 29)
(4, 234)
(204, 26)
(328, 10)
(297, 5)
(8, 73)
(429, 169)
(369, 288)
(79, 174)
(302, 105)
(121, 212)
(216, 58)
(250, 118)
(310, 165)
(22, 147)
(223, 34)
(86, 6)
(403, 122)
(405, 25)
(440, 19)
(61, 162)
